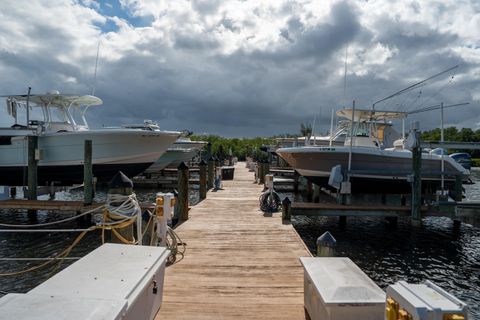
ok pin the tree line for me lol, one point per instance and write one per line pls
(454, 135)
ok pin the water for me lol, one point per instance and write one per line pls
(40, 245)
(434, 251)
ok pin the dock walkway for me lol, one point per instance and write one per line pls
(240, 263)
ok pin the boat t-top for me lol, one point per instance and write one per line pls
(373, 155)
(60, 123)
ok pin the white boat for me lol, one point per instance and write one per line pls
(62, 131)
(184, 149)
(379, 160)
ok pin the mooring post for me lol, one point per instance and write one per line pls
(261, 172)
(121, 185)
(211, 172)
(416, 178)
(326, 244)
(296, 177)
(458, 188)
(209, 151)
(32, 167)
(182, 192)
(87, 173)
(32, 172)
(316, 193)
(309, 191)
(286, 209)
(203, 179)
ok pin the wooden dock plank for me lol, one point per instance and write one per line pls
(239, 263)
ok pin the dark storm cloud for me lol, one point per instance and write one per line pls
(317, 42)
(208, 69)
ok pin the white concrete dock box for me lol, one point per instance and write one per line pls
(337, 289)
(424, 301)
(114, 272)
(46, 307)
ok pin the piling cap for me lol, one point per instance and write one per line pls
(203, 163)
(286, 201)
(182, 166)
(212, 158)
(120, 180)
(326, 240)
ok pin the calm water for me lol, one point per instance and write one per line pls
(434, 251)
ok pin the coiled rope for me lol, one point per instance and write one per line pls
(119, 212)
(270, 201)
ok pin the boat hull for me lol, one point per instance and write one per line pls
(62, 155)
(372, 170)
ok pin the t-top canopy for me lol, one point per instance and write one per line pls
(371, 115)
(58, 100)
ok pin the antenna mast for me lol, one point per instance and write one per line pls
(413, 86)
(95, 72)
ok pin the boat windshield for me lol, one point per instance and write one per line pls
(57, 112)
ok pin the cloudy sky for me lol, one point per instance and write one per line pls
(244, 68)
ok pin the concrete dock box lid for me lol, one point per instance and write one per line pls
(337, 289)
(426, 301)
(48, 307)
(117, 272)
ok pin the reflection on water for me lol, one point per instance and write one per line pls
(40, 245)
(434, 251)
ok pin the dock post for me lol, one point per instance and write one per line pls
(326, 244)
(296, 177)
(316, 193)
(32, 167)
(203, 179)
(261, 172)
(309, 191)
(209, 151)
(458, 188)
(87, 173)
(417, 178)
(32, 171)
(211, 172)
(342, 221)
(121, 185)
(182, 192)
(266, 168)
(286, 209)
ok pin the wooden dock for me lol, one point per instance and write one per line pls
(240, 263)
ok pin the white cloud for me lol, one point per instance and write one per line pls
(226, 66)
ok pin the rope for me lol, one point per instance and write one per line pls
(50, 223)
(60, 256)
(41, 230)
(114, 218)
(173, 245)
(270, 201)
(37, 259)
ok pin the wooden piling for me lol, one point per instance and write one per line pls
(32, 172)
(261, 172)
(309, 191)
(88, 173)
(458, 188)
(211, 172)
(32, 167)
(203, 179)
(326, 245)
(417, 180)
(316, 193)
(296, 177)
(182, 204)
(286, 209)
